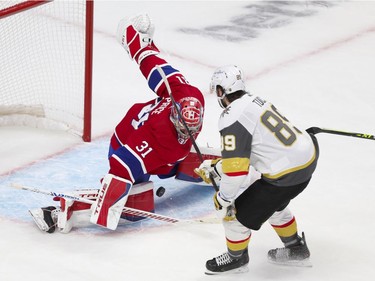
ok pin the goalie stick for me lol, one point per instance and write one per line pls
(127, 210)
(197, 150)
(317, 130)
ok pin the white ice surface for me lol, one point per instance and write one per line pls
(318, 70)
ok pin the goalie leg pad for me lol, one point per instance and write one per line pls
(112, 196)
(74, 213)
(141, 197)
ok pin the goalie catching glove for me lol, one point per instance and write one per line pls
(210, 169)
(135, 34)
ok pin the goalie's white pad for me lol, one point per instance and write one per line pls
(135, 34)
(112, 196)
(78, 214)
(74, 213)
(73, 216)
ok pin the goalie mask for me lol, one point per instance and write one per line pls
(229, 79)
(192, 113)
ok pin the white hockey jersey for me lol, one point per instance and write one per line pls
(254, 132)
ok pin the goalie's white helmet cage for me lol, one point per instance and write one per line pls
(191, 110)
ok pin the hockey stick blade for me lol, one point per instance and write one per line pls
(317, 130)
(128, 210)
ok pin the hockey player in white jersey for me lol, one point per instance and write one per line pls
(253, 132)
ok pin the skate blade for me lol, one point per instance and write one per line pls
(241, 269)
(38, 216)
(301, 263)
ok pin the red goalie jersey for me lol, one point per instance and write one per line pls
(151, 138)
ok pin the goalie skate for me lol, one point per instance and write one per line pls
(45, 218)
(297, 255)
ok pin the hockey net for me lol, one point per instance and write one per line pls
(46, 64)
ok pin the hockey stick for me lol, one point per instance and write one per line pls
(127, 210)
(165, 80)
(317, 130)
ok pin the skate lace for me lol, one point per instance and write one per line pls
(223, 259)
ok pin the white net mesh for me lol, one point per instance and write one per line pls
(42, 63)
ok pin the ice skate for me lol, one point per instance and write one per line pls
(45, 218)
(294, 255)
(225, 264)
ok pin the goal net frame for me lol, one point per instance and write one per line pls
(37, 110)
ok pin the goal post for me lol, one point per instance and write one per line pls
(46, 60)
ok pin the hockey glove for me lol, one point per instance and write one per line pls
(210, 167)
(135, 34)
(225, 209)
